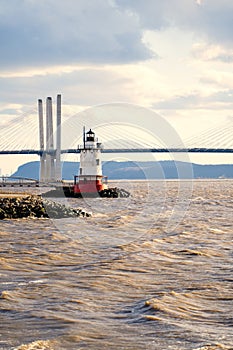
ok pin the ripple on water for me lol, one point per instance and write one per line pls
(120, 280)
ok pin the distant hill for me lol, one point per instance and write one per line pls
(137, 170)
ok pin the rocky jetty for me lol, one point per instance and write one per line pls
(67, 191)
(17, 207)
(114, 193)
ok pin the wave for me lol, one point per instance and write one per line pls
(193, 306)
(214, 347)
(38, 345)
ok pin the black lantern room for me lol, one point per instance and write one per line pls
(90, 136)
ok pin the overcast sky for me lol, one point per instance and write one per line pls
(172, 56)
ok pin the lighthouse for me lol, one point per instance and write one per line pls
(90, 178)
(89, 182)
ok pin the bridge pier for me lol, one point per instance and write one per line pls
(50, 166)
(50, 159)
(58, 175)
(41, 133)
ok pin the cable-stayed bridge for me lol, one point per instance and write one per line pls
(23, 136)
(125, 150)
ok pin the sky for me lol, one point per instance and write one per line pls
(174, 57)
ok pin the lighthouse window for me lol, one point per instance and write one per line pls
(90, 138)
(80, 171)
(97, 162)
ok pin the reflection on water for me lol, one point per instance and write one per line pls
(121, 279)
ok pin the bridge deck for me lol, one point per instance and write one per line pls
(127, 150)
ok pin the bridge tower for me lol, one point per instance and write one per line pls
(50, 160)
(41, 133)
(58, 175)
(50, 166)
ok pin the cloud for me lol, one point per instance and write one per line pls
(225, 97)
(179, 102)
(49, 32)
(77, 47)
(157, 15)
(211, 52)
(222, 99)
(218, 79)
(85, 87)
(8, 111)
(217, 21)
(59, 32)
(210, 19)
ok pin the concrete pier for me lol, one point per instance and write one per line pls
(41, 136)
(58, 141)
(50, 164)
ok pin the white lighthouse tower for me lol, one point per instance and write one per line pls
(90, 178)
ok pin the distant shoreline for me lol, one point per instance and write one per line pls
(139, 171)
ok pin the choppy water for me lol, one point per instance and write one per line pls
(136, 275)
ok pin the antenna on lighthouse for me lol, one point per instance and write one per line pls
(84, 137)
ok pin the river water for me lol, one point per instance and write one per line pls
(153, 271)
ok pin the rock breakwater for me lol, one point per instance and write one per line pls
(67, 191)
(114, 193)
(18, 207)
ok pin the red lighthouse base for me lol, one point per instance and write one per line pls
(88, 185)
(79, 191)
